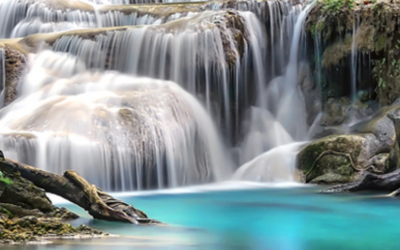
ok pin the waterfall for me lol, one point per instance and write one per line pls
(206, 59)
(275, 128)
(136, 132)
(280, 101)
(151, 96)
(354, 56)
(2, 76)
(25, 17)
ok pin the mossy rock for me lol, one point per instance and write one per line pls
(21, 197)
(337, 155)
(31, 228)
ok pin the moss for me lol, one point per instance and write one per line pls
(334, 156)
(5, 211)
(381, 42)
(345, 169)
(310, 153)
(336, 52)
(4, 179)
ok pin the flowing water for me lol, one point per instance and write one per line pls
(137, 132)
(180, 96)
(68, 116)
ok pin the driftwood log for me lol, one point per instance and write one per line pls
(368, 181)
(76, 189)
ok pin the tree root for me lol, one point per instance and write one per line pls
(331, 152)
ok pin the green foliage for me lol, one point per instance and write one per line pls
(387, 69)
(316, 27)
(4, 179)
(334, 6)
(3, 210)
(313, 29)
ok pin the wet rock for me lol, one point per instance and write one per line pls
(367, 33)
(344, 155)
(26, 214)
(21, 196)
(336, 111)
(381, 126)
(372, 145)
(14, 65)
(38, 229)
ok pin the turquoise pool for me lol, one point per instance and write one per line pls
(258, 218)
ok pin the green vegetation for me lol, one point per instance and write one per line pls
(316, 27)
(387, 68)
(3, 210)
(4, 179)
(334, 6)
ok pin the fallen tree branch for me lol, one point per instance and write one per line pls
(76, 189)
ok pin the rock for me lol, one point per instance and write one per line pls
(375, 41)
(26, 214)
(338, 158)
(24, 197)
(381, 126)
(14, 62)
(336, 111)
(33, 229)
(372, 145)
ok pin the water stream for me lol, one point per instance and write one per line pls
(156, 135)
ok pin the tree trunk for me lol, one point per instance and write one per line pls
(76, 189)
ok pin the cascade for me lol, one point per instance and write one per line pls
(2, 76)
(275, 121)
(25, 17)
(354, 63)
(210, 57)
(283, 99)
(137, 133)
(140, 123)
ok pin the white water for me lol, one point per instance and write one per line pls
(189, 51)
(141, 133)
(2, 76)
(354, 56)
(284, 102)
(275, 127)
(25, 17)
(136, 133)
(275, 165)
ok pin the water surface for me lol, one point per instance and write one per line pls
(258, 218)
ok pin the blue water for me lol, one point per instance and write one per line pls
(263, 218)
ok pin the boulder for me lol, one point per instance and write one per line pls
(371, 145)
